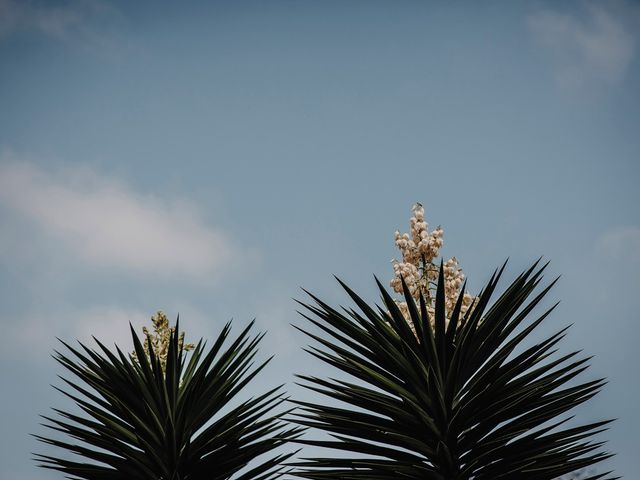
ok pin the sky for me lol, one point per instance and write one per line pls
(210, 159)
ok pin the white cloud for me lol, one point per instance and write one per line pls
(599, 48)
(83, 23)
(621, 244)
(106, 224)
(38, 332)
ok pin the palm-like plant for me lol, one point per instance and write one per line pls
(147, 417)
(458, 400)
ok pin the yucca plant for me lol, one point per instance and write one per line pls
(155, 415)
(444, 396)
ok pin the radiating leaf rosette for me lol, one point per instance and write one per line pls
(432, 399)
(170, 418)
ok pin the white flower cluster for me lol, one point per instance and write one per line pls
(160, 339)
(419, 270)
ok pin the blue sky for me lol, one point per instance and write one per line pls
(211, 158)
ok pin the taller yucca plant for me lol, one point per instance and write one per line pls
(156, 416)
(446, 396)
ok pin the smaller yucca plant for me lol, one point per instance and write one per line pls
(154, 415)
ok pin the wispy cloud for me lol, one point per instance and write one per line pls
(622, 244)
(107, 224)
(83, 23)
(599, 47)
(107, 323)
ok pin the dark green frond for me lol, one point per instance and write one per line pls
(459, 401)
(140, 422)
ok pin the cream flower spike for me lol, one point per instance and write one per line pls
(160, 339)
(419, 267)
